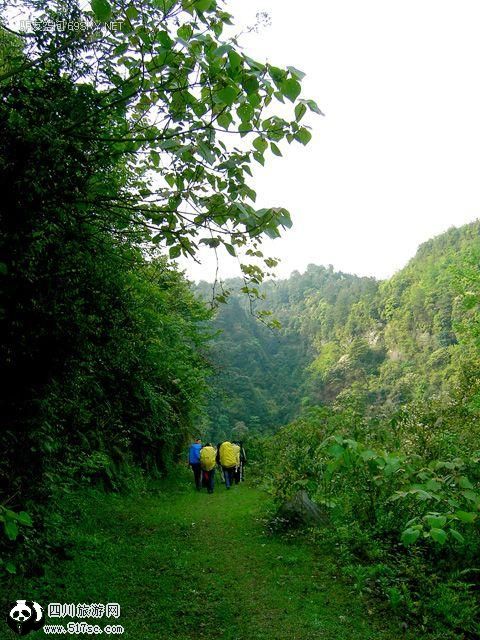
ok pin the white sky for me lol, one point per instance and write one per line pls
(396, 160)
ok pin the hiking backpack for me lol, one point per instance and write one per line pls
(207, 458)
(228, 456)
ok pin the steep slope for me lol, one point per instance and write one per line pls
(261, 372)
(347, 339)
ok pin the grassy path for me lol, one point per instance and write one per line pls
(186, 565)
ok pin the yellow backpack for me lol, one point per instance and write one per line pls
(236, 450)
(228, 457)
(207, 458)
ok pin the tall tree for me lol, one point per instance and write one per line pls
(187, 91)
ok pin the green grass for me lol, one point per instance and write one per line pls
(187, 565)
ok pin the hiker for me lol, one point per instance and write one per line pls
(239, 471)
(236, 449)
(208, 455)
(228, 458)
(194, 462)
(243, 462)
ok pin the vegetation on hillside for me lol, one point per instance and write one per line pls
(127, 141)
(382, 381)
(118, 154)
(367, 346)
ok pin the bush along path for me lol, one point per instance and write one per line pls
(187, 565)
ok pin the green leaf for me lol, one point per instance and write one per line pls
(300, 111)
(368, 454)
(202, 5)
(11, 529)
(466, 516)
(272, 232)
(336, 450)
(24, 518)
(250, 85)
(439, 535)
(260, 144)
(206, 153)
(284, 218)
(280, 215)
(101, 9)
(227, 95)
(245, 112)
(435, 521)
(465, 483)
(185, 32)
(219, 51)
(278, 75)
(303, 135)
(211, 242)
(118, 51)
(174, 252)
(230, 249)
(254, 99)
(471, 496)
(296, 72)
(225, 119)
(132, 12)
(409, 536)
(199, 109)
(164, 39)
(275, 150)
(10, 567)
(291, 89)
(250, 193)
(312, 105)
(458, 536)
(235, 59)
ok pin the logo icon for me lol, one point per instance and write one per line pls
(25, 616)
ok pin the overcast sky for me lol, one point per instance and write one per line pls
(396, 159)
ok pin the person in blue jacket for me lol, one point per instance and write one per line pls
(194, 462)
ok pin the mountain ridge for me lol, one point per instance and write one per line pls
(389, 341)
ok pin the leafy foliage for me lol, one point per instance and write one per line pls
(402, 510)
(264, 372)
(175, 71)
(368, 347)
(102, 350)
(117, 122)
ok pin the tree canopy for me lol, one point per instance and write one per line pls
(190, 112)
(355, 342)
(129, 134)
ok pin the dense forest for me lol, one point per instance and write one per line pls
(373, 346)
(262, 371)
(119, 153)
(112, 166)
(381, 380)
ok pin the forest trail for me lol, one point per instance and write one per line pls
(186, 565)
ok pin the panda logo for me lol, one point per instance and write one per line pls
(25, 616)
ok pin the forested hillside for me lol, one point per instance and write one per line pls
(347, 340)
(113, 164)
(129, 133)
(262, 370)
(381, 380)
